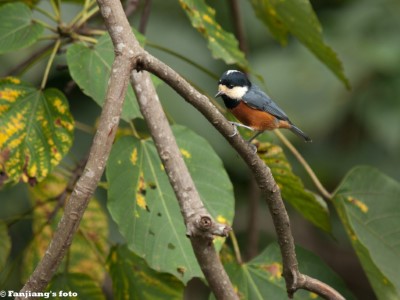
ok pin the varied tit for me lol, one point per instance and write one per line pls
(251, 106)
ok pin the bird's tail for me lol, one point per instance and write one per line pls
(300, 133)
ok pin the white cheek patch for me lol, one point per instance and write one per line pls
(237, 92)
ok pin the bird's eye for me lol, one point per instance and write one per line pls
(230, 86)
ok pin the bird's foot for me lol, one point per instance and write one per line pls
(235, 131)
(253, 147)
(236, 124)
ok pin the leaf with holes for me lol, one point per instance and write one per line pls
(306, 203)
(261, 278)
(298, 18)
(223, 44)
(141, 282)
(36, 130)
(143, 204)
(367, 202)
(89, 246)
(17, 28)
(90, 67)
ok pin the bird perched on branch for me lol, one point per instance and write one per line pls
(251, 106)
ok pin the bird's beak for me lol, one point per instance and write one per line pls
(219, 94)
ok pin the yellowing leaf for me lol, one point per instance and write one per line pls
(36, 130)
(223, 44)
(89, 246)
(292, 188)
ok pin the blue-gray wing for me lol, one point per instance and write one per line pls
(257, 99)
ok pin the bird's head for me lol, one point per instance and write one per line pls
(233, 84)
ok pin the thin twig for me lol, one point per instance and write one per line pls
(238, 23)
(253, 230)
(305, 165)
(145, 16)
(130, 7)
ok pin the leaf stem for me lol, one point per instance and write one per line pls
(236, 249)
(305, 165)
(95, 31)
(84, 128)
(49, 63)
(49, 37)
(45, 25)
(84, 38)
(45, 13)
(81, 14)
(56, 9)
(86, 17)
(184, 58)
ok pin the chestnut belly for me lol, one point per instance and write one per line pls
(257, 119)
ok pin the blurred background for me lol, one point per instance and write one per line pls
(348, 127)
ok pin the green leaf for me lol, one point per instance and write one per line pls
(5, 245)
(313, 208)
(143, 204)
(298, 18)
(90, 68)
(74, 285)
(17, 28)
(133, 279)
(367, 202)
(36, 130)
(223, 45)
(89, 248)
(261, 277)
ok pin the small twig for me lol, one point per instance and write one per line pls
(49, 63)
(236, 248)
(252, 219)
(305, 165)
(145, 16)
(130, 7)
(318, 287)
(238, 23)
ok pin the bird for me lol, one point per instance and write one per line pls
(253, 107)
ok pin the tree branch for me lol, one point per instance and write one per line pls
(200, 226)
(261, 172)
(95, 165)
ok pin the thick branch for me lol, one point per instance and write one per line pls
(261, 172)
(94, 168)
(200, 225)
(201, 228)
